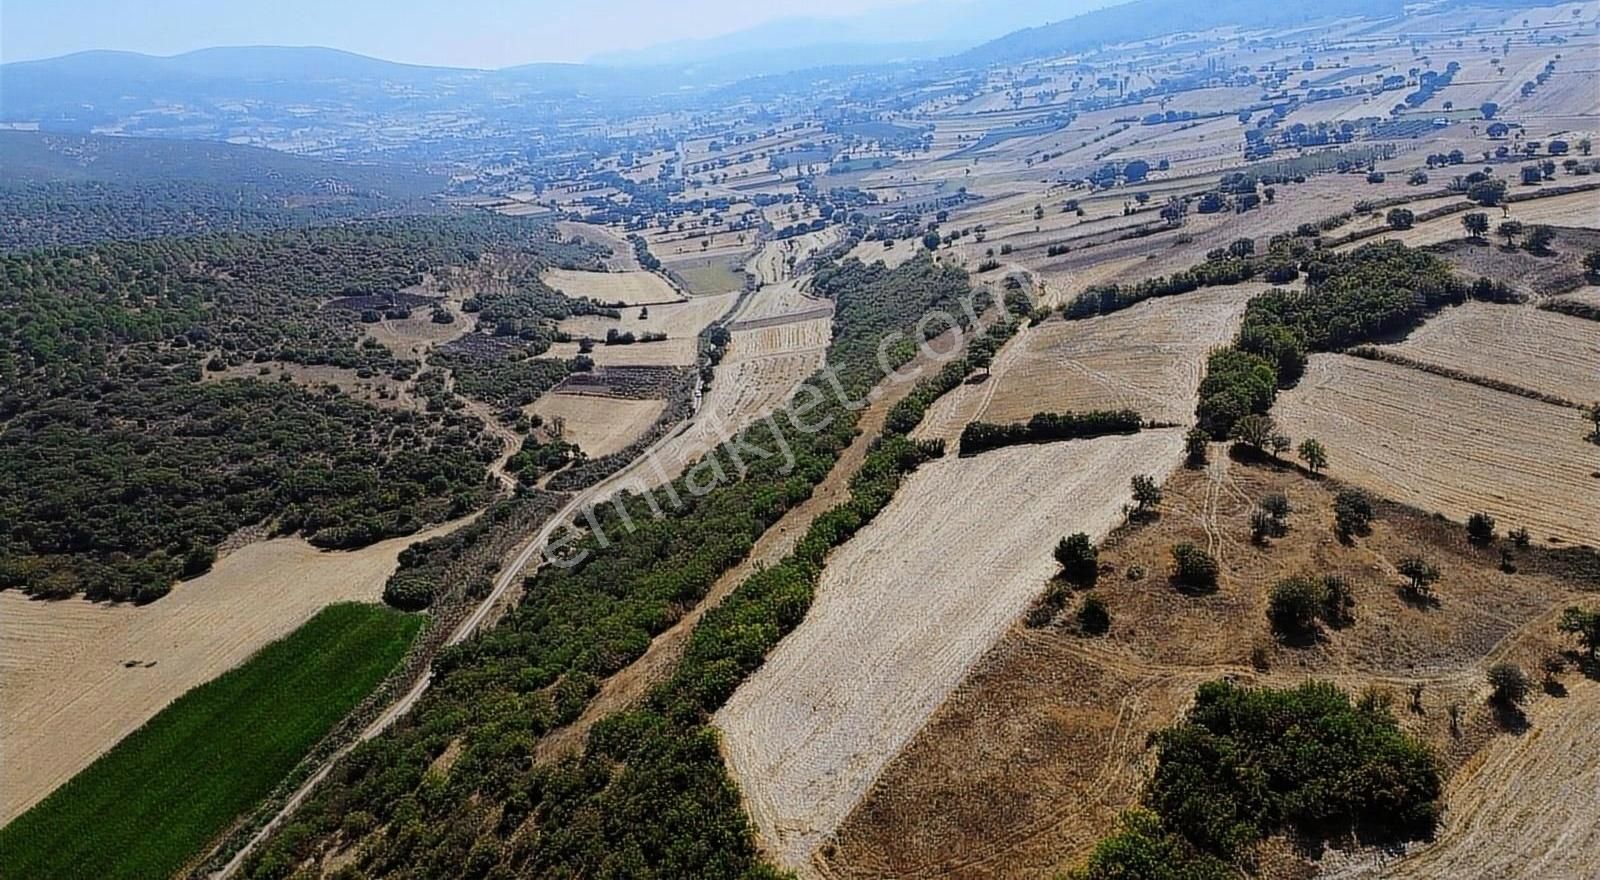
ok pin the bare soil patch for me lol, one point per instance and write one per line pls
(1555, 273)
(1449, 446)
(903, 611)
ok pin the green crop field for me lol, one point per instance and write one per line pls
(150, 805)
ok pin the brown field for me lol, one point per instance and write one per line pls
(1572, 209)
(599, 425)
(1031, 758)
(1148, 358)
(902, 612)
(1537, 275)
(1449, 446)
(708, 276)
(410, 337)
(1551, 353)
(628, 288)
(76, 677)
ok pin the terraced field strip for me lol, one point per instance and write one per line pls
(1449, 446)
(1551, 353)
(903, 612)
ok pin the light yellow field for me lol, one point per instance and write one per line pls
(628, 288)
(678, 320)
(76, 677)
(903, 611)
(666, 353)
(1550, 353)
(1450, 447)
(810, 335)
(782, 298)
(1148, 358)
(599, 425)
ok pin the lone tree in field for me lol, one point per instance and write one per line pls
(1476, 224)
(1194, 446)
(1539, 240)
(1584, 624)
(1480, 529)
(1352, 513)
(1400, 218)
(1312, 453)
(1420, 575)
(1509, 230)
(1294, 606)
(1193, 568)
(1080, 561)
(1146, 495)
(1094, 618)
(1509, 685)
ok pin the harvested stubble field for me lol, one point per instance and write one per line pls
(67, 689)
(1028, 763)
(1521, 345)
(599, 425)
(1449, 446)
(681, 352)
(679, 320)
(782, 298)
(1147, 358)
(1569, 209)
(789, 336)
(628, 288)
(903, 611)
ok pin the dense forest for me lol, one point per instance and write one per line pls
(121, 470)
(649, 795)
(58, 189)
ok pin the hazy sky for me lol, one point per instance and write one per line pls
(468, 33)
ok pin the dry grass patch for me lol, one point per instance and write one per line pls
(679, 320)
(903, 611)
(599, 425)
(76, 677)
(1547, 352)
(1449, 446)
(1029, 761)
(627, 288)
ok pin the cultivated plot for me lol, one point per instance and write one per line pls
(1544, 351)
(599, 425)
(627, 288)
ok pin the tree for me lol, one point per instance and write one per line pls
(1539, 240)
(1400, 218)
(1312, 453)
(1487, 193)
(1420, 576)
(1080, 561)
(931, 241)
(1480, 528)
(1476, 224)
(1146, 494)
(1193, 567)
(1241, 248)
(1279, 443)
(1531, 175)
(1352, 513)
(1585, 624)
(1294, 605)
(1509, 230)
(1094, 617)
(1194, 446)
(1254, 430)
(1509, 685)
(1489, 109)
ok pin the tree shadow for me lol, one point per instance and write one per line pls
(1420, 601)
(1510, 718)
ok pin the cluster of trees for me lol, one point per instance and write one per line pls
(650, 793)
(1251, 762)
(538, 457)
(121, 471)
(979, 437)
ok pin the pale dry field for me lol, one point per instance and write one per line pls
(782, 298)
(903, 611)
(68, 693)
(410, 337)
(628, 288)
(1547, 352)
(599, 425)
(1148, 358)
(667, 353)
(676, 319)
(1572, 209)
(807, 335)
(1450, 447)
(870, 252)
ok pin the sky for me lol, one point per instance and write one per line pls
(464, 33)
